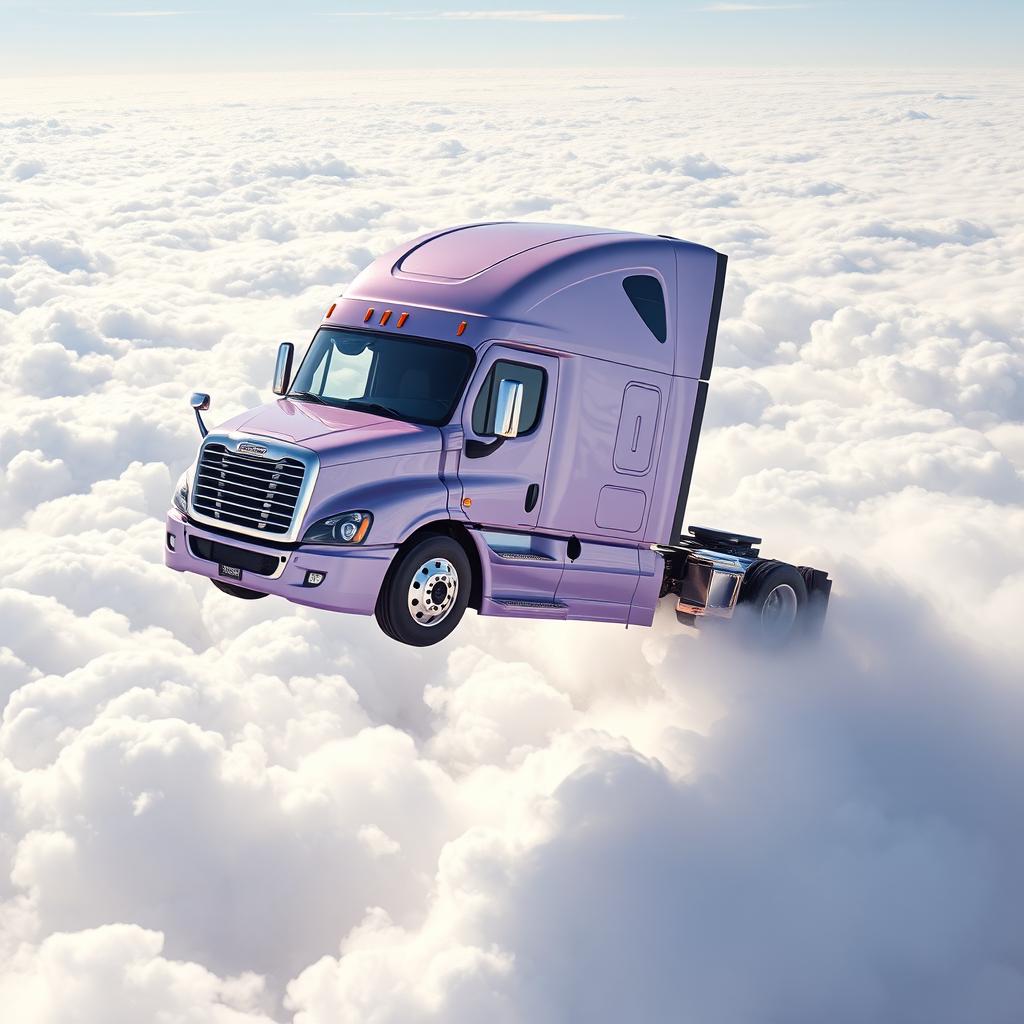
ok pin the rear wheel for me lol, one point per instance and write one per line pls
(236, 591)
(425, 593)
(774, 596)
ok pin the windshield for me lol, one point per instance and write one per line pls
(404, 378)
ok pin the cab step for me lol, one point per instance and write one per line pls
(515, 602)
(523, 556)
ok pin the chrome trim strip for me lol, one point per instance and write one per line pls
(516, 602)
(280, 569)
(245, 468)
(522, 556)
(261, 497)
(275, 450)
(254, 473)
(288, 507)
(246, 511)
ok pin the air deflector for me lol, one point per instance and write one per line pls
(465, 252)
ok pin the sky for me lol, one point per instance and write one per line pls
(226, 812)
(116, 36)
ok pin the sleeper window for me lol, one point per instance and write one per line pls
(648, 300)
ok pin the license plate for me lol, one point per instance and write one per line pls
(232, 572)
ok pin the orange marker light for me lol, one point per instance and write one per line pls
(330, 311)
(369, 313)
(460, 330)
(467, 502)
(385, 317)
(401, 319)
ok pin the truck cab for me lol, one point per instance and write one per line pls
(501, 416)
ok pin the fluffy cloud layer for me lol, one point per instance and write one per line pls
(217, 811)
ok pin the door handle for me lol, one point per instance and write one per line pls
(532, 494)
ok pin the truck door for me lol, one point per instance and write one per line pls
(504, 478)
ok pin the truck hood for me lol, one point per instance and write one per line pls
(336, 435)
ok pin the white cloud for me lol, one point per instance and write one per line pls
(543, 16)
(116, 973)
(551, 17)
(249, 812)
(726, 8)
(24, 169)
(137, 14)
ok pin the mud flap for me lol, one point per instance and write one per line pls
(819, 587)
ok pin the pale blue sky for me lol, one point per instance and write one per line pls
(46, 36)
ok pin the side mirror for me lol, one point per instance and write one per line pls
(508, 409)
(200, 402)
(283, 369)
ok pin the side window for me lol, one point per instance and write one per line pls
(532, 378)
(648, 300)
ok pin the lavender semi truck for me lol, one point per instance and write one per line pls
(499, 416)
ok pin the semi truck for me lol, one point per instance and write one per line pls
(498, 416)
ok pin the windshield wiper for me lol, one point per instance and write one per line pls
(381, 410)
(306, 396)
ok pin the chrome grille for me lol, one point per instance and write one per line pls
(257, 494)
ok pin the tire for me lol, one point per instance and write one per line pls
(774, 597)
(236, 591)
(425, 592)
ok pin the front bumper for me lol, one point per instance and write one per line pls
(352, 577)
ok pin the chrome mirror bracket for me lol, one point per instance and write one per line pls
(200, 402)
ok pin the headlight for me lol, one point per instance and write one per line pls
(347, 528)
(180, 498)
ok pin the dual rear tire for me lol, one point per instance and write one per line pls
(774, 599)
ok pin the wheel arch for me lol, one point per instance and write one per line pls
(457, 532)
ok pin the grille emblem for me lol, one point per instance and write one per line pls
(248, 448)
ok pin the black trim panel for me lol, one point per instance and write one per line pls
(691, 457)
(239, 558)
(716, 312)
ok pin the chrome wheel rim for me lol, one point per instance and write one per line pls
(432, 592)
(778, 613)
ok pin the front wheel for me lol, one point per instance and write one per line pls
(425, 593)
(774, 595)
